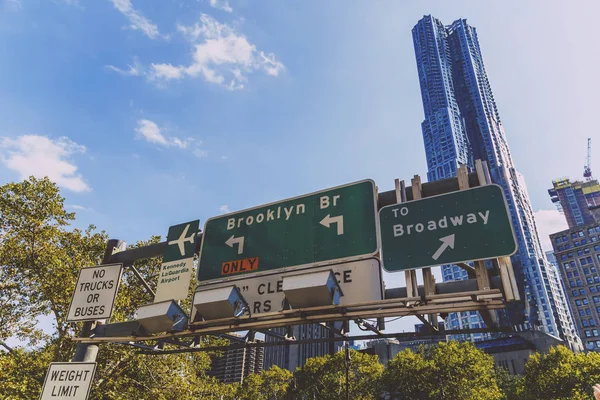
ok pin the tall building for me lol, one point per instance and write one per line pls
(461, 125)
(234, 364)
(291, 356)
(576, 200)
(577, 251)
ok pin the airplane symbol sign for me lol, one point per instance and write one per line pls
(182, 239)
(178, 262)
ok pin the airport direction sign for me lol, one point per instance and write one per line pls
(95, 293)
(68, 380)
(461, 226)
(178, 262)
(337, 224)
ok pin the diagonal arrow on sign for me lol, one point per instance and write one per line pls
(447, 241)
(339, 221)
(239, 241)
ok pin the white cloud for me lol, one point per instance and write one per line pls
(78, 207)
(220, 55)
(138, 22)
(224, 209)
(548, 222)
(221, 5)
(41, 156)
(150, 131)
(132, 70)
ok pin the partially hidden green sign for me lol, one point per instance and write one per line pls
(461, 226)
(330, 225)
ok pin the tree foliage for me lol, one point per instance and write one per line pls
(271, 384)
(452, 370)
(325, 377)
(560, 375)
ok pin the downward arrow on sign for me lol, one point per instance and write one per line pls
(447, 241)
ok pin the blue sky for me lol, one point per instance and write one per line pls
(152, 113)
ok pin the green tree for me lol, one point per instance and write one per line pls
(510, 385)
(456, 371)
(324, 378)
(40, 259)
(409, 376)
(561, 375)
(271, 384)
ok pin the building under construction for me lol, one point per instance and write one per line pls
(578, 201)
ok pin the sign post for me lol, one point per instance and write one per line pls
(178, 262)
(461, 226)
(68, 381)
(338, 224)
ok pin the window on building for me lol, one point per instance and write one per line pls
(579, 282)
(591, 231)
(592, 322)
(597, 247)
(590, 345)
(585, 301)
(581, 292)
(596, 279)
(586, 271)
(571, 284)
(581, 234)
(589, 280)
(593, 269)
(585, 322)
(558, 240)
(594, 332)
(578, 302)
(588, 311)
(587, 333)
(596, 299)
(581, 313)
(594, 239)
(575, 273)
(583, 261)
(577, 244)
(570, 255)
(584, 241)
(592, 289)
(564, 238)
(574, 235)
(561, 248)
(563, 257)
(574, 293)
(597, 229)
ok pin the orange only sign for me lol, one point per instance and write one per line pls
(237, 266)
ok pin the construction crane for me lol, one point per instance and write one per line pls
(587, 169)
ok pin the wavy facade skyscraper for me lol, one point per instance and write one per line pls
(461, 125)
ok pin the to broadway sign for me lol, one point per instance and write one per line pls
(95, 293)
(461, 226)
(68, 381)
(178, 262)
(334, 224)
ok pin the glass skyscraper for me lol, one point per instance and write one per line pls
(461, 125)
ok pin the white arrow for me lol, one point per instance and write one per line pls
(239, 241)
(339, 221)
(447, 241)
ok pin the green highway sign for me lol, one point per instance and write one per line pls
(461, 226)
(330, 225)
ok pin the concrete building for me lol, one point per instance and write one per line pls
(576, 200)
(236, 364)
(577, 251)
(513, 352)
(462, 124)
(291, 356)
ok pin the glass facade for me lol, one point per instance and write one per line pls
(461, 125)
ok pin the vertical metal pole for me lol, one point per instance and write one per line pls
(347, 362)
(88, 352)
